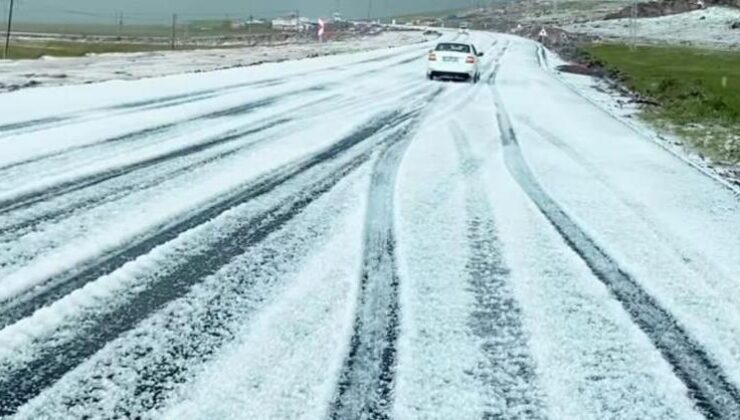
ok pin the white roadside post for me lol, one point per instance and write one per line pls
(321, 30)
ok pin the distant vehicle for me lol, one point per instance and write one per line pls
(454, 60)
(463, 29)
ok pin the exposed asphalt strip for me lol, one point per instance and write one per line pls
(708, 387)
(507, 373)
(20, 385)
(149, 104)
(174, 100)
(117, 192)
(365, 388)
(40, 122)
(33, 197)
(149, 132)
(191, 329)
(156, 377)
(170, 100)
(164, 128)
(54, 288)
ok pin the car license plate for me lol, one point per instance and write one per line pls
(450, 59)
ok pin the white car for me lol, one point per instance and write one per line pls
(454, 60)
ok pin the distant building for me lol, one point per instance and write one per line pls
(289, 23)
(292, 23)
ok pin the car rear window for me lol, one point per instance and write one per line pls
(461, 48)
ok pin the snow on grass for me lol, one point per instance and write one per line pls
(708, 27)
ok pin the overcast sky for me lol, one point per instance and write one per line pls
(150, 9)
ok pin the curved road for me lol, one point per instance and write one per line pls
(339, 238)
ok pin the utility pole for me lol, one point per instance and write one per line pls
(369, 9)
(251, 19)
(298, 22)
(10, 28)
(174, 28)
(633, 25)
(120, 24)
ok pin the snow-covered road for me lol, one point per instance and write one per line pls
(339, 238)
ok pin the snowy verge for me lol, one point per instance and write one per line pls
(52, 71)
(602, 95)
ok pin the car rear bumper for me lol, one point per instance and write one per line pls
(451, 74)
(456, 69)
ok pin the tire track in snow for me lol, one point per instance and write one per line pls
(128, 380)
(169, 101)
(27, 199)
(508, 372)
(22, 384)
(365, 388)
(163, 102)
(32, 123)
(61, 285)
(708, 387)
(694, 261)
(154, 132)
(86, 198)
(104, 193)
(163, 129)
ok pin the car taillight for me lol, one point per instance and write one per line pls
(470, 59)
(432, 57)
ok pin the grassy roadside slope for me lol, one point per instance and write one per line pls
(697, 91)
(36, 49)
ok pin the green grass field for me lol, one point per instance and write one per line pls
(115, 39)
(197, 27)
(32, 50)
(697, 91)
